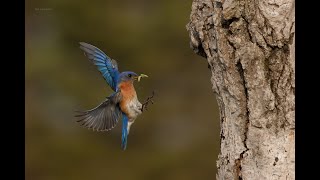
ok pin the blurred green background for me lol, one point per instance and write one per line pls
(177, 138)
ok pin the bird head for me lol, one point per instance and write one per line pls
(130, 76)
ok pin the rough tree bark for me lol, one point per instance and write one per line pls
(250, 49)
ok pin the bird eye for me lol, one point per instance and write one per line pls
(129, 75)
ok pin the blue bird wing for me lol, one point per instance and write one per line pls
(124, 136)
(107, 66)
(103, 117)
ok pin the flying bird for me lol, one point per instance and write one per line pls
(122, 103)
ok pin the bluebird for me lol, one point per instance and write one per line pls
(122, 103)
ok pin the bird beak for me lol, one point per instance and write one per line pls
(141, 76)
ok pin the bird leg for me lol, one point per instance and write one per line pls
(145, 104)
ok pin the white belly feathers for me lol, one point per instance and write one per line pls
(134, 109)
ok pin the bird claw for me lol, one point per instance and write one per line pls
(145, 104)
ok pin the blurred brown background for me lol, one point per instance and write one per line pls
(177, 138)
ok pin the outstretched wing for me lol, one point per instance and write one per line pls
(107, 66)
(103, 117)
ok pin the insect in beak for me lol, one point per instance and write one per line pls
(141, 76)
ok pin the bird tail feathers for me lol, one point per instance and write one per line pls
(124, 136)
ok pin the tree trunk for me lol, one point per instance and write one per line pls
(250, 49)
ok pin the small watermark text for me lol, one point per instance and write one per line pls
(43, 9)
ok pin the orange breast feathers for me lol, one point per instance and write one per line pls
(128, 93)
